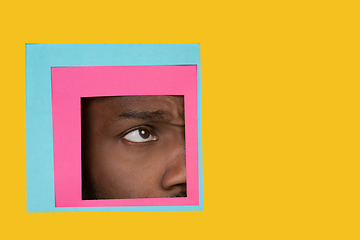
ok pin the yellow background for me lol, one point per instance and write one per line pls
(280, 97)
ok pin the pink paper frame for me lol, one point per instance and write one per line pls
(69, 84)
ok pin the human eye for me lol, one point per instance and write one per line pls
(140, 135)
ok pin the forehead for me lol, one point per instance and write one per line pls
(118, 105)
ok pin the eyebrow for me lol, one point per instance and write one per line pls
(158, 115)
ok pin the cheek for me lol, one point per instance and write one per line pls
(122, 171)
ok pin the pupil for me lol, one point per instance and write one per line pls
(144, 133)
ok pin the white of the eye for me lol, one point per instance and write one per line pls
(134, 136)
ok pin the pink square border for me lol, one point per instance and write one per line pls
(69, 84)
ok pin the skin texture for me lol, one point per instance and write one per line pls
(133, 147)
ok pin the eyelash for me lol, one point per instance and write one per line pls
(150, 129)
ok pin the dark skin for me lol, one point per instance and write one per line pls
(133, 147)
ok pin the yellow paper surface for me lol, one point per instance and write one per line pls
(280, 101)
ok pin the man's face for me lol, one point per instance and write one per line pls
(133, 147)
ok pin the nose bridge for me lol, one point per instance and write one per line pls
(175, 171)
(179, 151)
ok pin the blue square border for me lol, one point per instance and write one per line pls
(39, 135)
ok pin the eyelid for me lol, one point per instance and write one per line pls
(150, 128)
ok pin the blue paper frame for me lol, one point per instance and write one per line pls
(39, 135)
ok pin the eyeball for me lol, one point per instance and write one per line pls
(140, 135)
